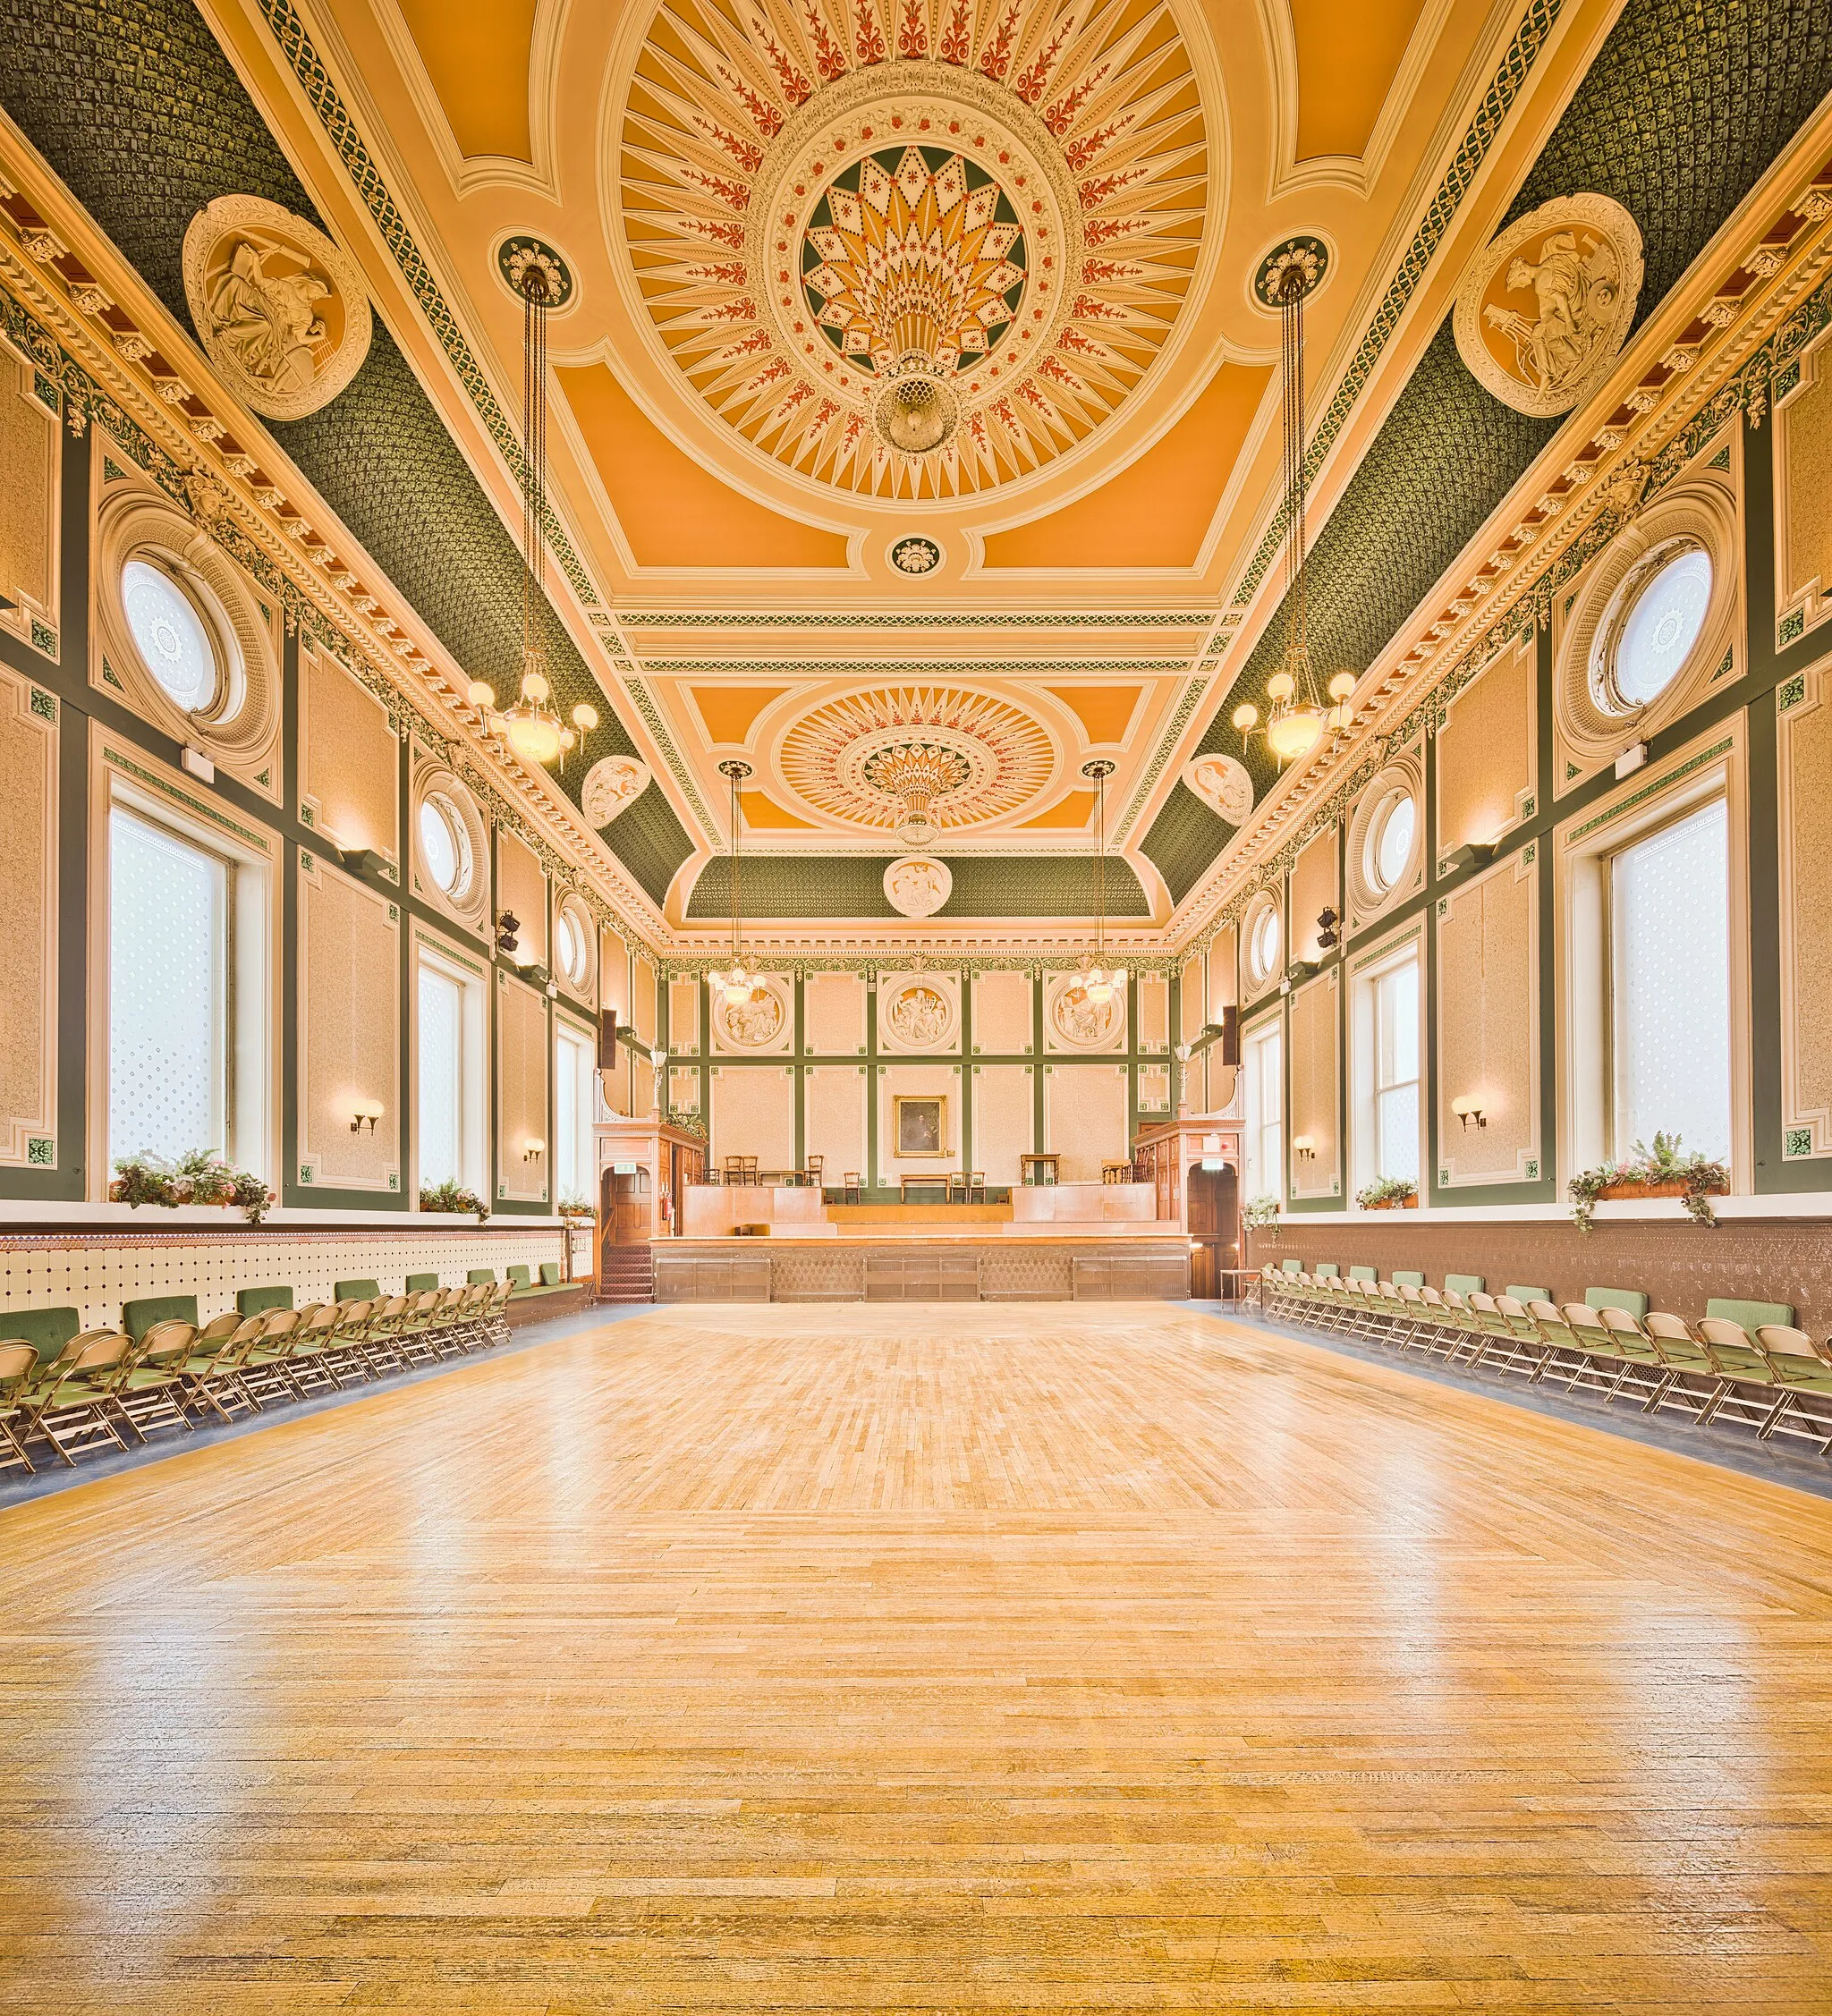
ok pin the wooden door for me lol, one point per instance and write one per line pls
(1215, 1228)
(625, 1206)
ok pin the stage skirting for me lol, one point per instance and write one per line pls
(994, 1266)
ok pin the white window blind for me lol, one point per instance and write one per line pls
(1264, 1143)
(572, 1114)
(441, 1077)
(168, 947)
(1670, 984)
(1396, 1071)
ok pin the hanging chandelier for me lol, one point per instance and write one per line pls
(1095, 982)
(739, 982)
(531, 725)
(914, 774)
(1296, 720)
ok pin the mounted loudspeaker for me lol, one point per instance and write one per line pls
(608, 1039)
(1231, 1037)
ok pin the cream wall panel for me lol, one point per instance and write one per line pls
(1085, 1118)
(683, 1089)
(28, 923)
(643, 986)
(349, 758)
(753, 1113)
(1004, 1119)
(350, 1029)
(1488, 1025)
(94, 1275)
(1485, 754)
(835, 1118)
(1805, 735)
(683, 1017)
(1314, 1033)
(1154, 1089)
(521, 1091)
(833, 1007)
(1314, 890)
(1804, 467)
(641, 1086)
(1154, 1012)
(1191, 1000)
(905, 1079)
(521, 889)
(28, 497)
(613, 975)
(1223, 978)
(1002, 1014)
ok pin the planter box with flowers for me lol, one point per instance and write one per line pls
(577, 1208)
(450, 1197)
(197, 1178)
(1259, 1212)
(1388, 1193)
(1660, 1170)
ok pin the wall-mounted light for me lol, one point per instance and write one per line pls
(1469, 1111)
(361, 1110)
(1304, 1147)
(532, 1149)
(1472, 853)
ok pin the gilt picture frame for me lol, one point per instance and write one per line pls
(919, 1125)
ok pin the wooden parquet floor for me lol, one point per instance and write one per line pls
(923, 1659)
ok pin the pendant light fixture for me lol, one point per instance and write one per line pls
(739, 982)
(1297, 720)
(1096, 983)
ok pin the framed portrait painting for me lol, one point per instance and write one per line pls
(919, 1124)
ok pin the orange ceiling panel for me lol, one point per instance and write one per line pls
(1157, 512)
(1347, 60)
(1104, 711)
(674, 512)
(1073, 811)
(763, 812)
(728, 711)
(476, 52)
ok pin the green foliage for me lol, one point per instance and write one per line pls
(1261, 1210)
(1385, 1193)
(1663, 1162)
(577, 1208)
(450, 1196)
(144, 1178)
(197, 1177)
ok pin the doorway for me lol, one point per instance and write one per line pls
(1215, 1227)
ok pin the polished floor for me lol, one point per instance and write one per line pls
(917, 1658)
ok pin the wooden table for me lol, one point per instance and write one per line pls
(939, 1179)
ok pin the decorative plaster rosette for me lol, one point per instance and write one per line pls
(612, 785)
(917, 885)
(1053, 165)
(281, 311)
(1544, 309)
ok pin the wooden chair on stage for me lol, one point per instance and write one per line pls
(957, 1186)
(850, 1190)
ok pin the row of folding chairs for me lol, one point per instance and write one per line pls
(1772, 1378)
(107, 1390)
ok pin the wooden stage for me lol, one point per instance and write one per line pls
(977, 1659)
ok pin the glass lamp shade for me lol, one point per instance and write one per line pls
(481, 695)
(1281, 686)
(585, 717)
(535, 688)
(1342, 685)
(1294, 735)
(1099, 989)
(533, 736)
(1246, 717)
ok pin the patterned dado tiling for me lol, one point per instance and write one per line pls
(96, 1272)
(1680, 1266)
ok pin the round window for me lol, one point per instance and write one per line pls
(445, 846)
(1263, 943)
(1662, 612)
(173, 640)
(570, 946)
(1390, 840)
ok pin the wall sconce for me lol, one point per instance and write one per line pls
(1467, 1110)
(369, 1110)
(1304, 1147)
(507, 925)
(533, 1149)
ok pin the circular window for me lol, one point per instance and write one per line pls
(1389, 845)
(174, 642)
(1263, 943)
(445, 846)
(1661, 610)
(570, 946)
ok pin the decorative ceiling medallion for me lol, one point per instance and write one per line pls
(521, 250)
(859, 758)
(918, 251)
(612, 784)
(1543, 311)
(280, 311)
(1305, 254)
(1223, 784)
(916, 555)
(917, 885)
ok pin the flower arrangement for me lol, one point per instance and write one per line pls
(450, 1196)
(199, 1177)
(1388, 1193)
(1659, 1169)
(1260, 1211)
(577, 1208)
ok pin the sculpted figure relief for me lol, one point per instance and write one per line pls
(1083, 1021)
(920, 1015)
(270, 321)
(1223, 784)
(917, 885)
(613, 783)
(754, 1022)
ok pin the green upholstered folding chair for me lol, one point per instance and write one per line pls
(1752, 1395)
(257, 1302)
(18, 1361)
(1521, 1347)
(138, 1317)
(478, 1274)
(74, 1406)
(1689, 1383)
(266, 1369)
(381, 1342)
(314, 1342)
(1803, 1372)
(152, 1394)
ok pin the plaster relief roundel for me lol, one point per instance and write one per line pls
(912, 252)
(281, 311)
(612, 785)
(755, 1023)
(1081, 1023)
(1223, 784)
(921, 1015)
(1544, 309)
(917, 885)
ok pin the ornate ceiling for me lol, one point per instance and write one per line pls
(913, 416)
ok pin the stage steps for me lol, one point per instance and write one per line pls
(627, 1274)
